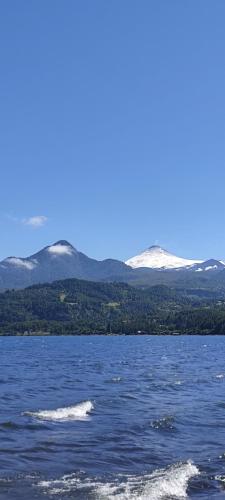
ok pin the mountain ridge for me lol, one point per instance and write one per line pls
(61, 260)
(74, 307)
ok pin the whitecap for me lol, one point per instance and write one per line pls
(114, 380)
(220, 375)
(220, 478)
(162, 484)
(164, 423)
(79, 411)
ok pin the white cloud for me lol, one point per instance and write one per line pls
(35, 221)
(28, 264)
(60, 250)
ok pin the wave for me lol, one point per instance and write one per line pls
(9, 425)
(114, 380)
(166, 423)
(17, 426)
(79, 411)
(161, 484)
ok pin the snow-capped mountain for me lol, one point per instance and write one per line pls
(156, 257)
(61, 261)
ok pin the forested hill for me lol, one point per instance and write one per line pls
(75, 306)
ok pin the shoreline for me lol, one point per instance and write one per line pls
(44, 334)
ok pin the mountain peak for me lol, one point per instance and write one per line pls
(63, 243)
(156, 257)
(61, 247)
(156, 248)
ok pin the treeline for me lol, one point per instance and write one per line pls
(80, 307)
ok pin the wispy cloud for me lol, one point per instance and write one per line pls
(35, 221)
(10, 217)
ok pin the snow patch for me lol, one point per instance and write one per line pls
(207, 268)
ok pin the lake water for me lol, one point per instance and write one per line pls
(142, 418)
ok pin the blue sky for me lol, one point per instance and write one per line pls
(112, 126)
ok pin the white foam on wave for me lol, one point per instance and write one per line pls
(79, 411)
(160, 485)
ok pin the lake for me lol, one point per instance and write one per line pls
(95, 417)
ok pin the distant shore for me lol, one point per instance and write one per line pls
(144, 334)
(77, 307)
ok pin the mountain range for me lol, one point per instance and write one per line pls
(61, 260)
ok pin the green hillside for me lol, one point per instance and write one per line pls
(80, 307)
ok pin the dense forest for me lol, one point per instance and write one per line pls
(80, 307)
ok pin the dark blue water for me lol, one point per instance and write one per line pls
(152, 425)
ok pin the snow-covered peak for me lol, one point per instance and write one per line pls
(62, 247)
(156, 257)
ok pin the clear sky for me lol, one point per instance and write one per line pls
(112, 126)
